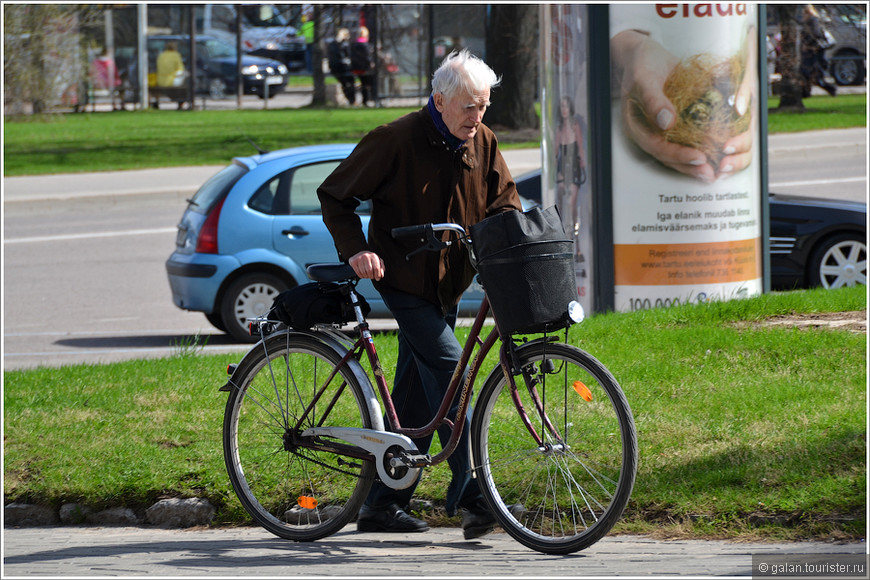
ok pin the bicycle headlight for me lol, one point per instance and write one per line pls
(575, 311)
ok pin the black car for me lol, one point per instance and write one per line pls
(813, 242)
(817, 242)
(216, 67)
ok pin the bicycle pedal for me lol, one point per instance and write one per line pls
(416, 459)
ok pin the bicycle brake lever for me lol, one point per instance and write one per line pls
(431, 244)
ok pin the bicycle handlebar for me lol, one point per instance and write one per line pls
(407, 231)
(427, 236)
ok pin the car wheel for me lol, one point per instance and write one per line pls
(847, 70)
(839, 261)
(215, 319)
(216, 89)
(248, 297)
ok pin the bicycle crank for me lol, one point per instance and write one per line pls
(397, 459)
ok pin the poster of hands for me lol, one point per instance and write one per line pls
(687, 221)
(685, 178)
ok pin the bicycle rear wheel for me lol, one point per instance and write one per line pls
(565, 490)
(291, 485)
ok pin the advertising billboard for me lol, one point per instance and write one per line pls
(686, 175)
(566, 175)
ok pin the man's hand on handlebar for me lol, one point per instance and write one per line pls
(367, 265)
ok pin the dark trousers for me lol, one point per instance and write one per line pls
(347, 86)
(428, 354)
(367, 85)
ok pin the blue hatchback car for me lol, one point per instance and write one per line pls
(250, 232)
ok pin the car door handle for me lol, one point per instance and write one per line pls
(295, 232)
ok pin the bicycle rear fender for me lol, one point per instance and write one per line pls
(256, 351)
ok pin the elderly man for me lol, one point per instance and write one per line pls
(438, 164)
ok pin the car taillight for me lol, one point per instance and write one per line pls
(207, 242)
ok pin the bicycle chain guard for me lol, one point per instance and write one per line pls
(379, 444)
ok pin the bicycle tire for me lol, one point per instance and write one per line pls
(566, 493)
(296, 492)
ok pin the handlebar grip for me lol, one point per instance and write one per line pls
(408, 231)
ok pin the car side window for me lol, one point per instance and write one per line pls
(265, 198)
(303, 189)
(303, 186)
(294, 192)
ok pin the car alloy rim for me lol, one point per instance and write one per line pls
(254, 300)
(844, 264)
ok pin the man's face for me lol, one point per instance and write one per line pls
(463, 112)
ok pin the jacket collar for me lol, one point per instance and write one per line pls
(452, 140)
(436, 139)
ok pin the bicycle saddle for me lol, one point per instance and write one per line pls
(330, 272)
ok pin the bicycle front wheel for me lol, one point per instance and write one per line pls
(557, 458)
(297, 488)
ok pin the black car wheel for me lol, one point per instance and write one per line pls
(839, 261)
(248, 297)
(216, 89)
(846, 68)
(215, 319)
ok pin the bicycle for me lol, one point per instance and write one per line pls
(304, 435)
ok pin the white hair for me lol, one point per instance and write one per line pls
(463, 72)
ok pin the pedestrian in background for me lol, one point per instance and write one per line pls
(362, 62)
(307, 31)
(814, 41)
(339, 63)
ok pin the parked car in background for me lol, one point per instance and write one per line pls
(265, 30)
(847, 58)
(216, 62)
(813, 242)
(817, 242)
(251, 231)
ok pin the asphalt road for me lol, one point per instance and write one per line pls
(83, 269)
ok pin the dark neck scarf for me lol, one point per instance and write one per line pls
(452, 140)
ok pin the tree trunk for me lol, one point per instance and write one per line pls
(318, 98)
(791, 86)
(512, 52)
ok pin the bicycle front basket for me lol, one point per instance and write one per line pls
(526, 265)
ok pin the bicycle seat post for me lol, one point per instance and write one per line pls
(360, 317)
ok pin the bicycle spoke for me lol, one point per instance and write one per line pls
(575, 484)
(286, 485)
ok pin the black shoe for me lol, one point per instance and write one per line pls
(389, 519)
(477, 522)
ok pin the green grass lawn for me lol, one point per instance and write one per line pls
(745, 429)
(86, 142)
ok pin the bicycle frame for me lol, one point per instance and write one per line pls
(365, 343)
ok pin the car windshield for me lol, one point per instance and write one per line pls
(218, 49)
(216, 188)
(263, 15)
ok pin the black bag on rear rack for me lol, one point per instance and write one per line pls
(304, 306)
(526, 266)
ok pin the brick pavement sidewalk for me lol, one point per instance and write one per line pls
(232, 552)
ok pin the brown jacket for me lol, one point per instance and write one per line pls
(413, 177)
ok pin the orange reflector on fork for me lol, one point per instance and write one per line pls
(583, 391)
(306, 502)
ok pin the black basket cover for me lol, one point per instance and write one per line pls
(526, 266)
(304, 306)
